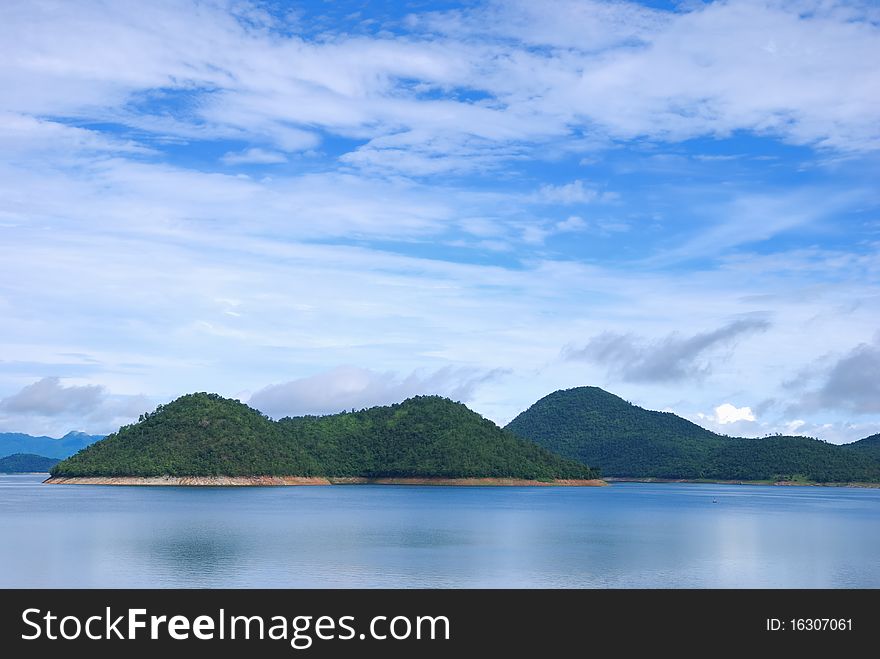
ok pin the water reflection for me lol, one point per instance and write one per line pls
(198, 551)
(628, 535)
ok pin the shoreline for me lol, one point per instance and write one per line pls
(271, 481)
(627, 479)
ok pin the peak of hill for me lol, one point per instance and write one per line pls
(76, 434)
(867, 446)
(197, 434)
(599, 412)
(598, 428)
(426, 436)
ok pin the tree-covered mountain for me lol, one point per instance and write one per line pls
(597, 428)
(16, 442)
(22, 463)
(427, 436)
(424, 436)
(195, 435)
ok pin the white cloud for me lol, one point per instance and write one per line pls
(801, 70)
(571, 223)
(728, 413)
(48, 397)
(607, 70)
(349, 261)
(348, 387)
(575, 192)
(835, 432)
(25, 136)
(142, 304)
(850, 383)
(144, 197)
(50, 407)
(253, 156)
(753, 217)
(534, 235)
(709, 71)
(793, 426)
(586, 25)
(673, 358)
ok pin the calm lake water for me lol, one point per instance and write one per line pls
(623, 536)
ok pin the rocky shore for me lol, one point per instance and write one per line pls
(260, 481)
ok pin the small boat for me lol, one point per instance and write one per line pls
(714, 500)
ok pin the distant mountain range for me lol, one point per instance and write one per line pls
(21, 463)
(205, 435)
(602, 430)
(15, 442)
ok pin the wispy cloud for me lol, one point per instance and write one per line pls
(576, 192)
(251, 195)
(254, 156)
(348, 387)
(50, 406)
(48, 397)
(750, 218)
(850, 383)
(26, 137)
(571, 223)
(613, 68)
(674, 357)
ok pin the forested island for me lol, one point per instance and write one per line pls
(567, 437)
(598, 428)
(26, 463)
(204, 439)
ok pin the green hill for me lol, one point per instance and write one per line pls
(195, 435)
(595, 427)
(424, 436)
(22, 463)
(206, 435)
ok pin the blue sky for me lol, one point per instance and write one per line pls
(324, 205)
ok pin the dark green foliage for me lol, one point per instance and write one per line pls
(22, 463)
(196, 435)
(601, 429)
(789, 458)
(869, 446)
(424, 436)
(206, 435)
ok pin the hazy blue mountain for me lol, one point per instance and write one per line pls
(16, 442)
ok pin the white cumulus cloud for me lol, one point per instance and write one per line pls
(728, 413)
